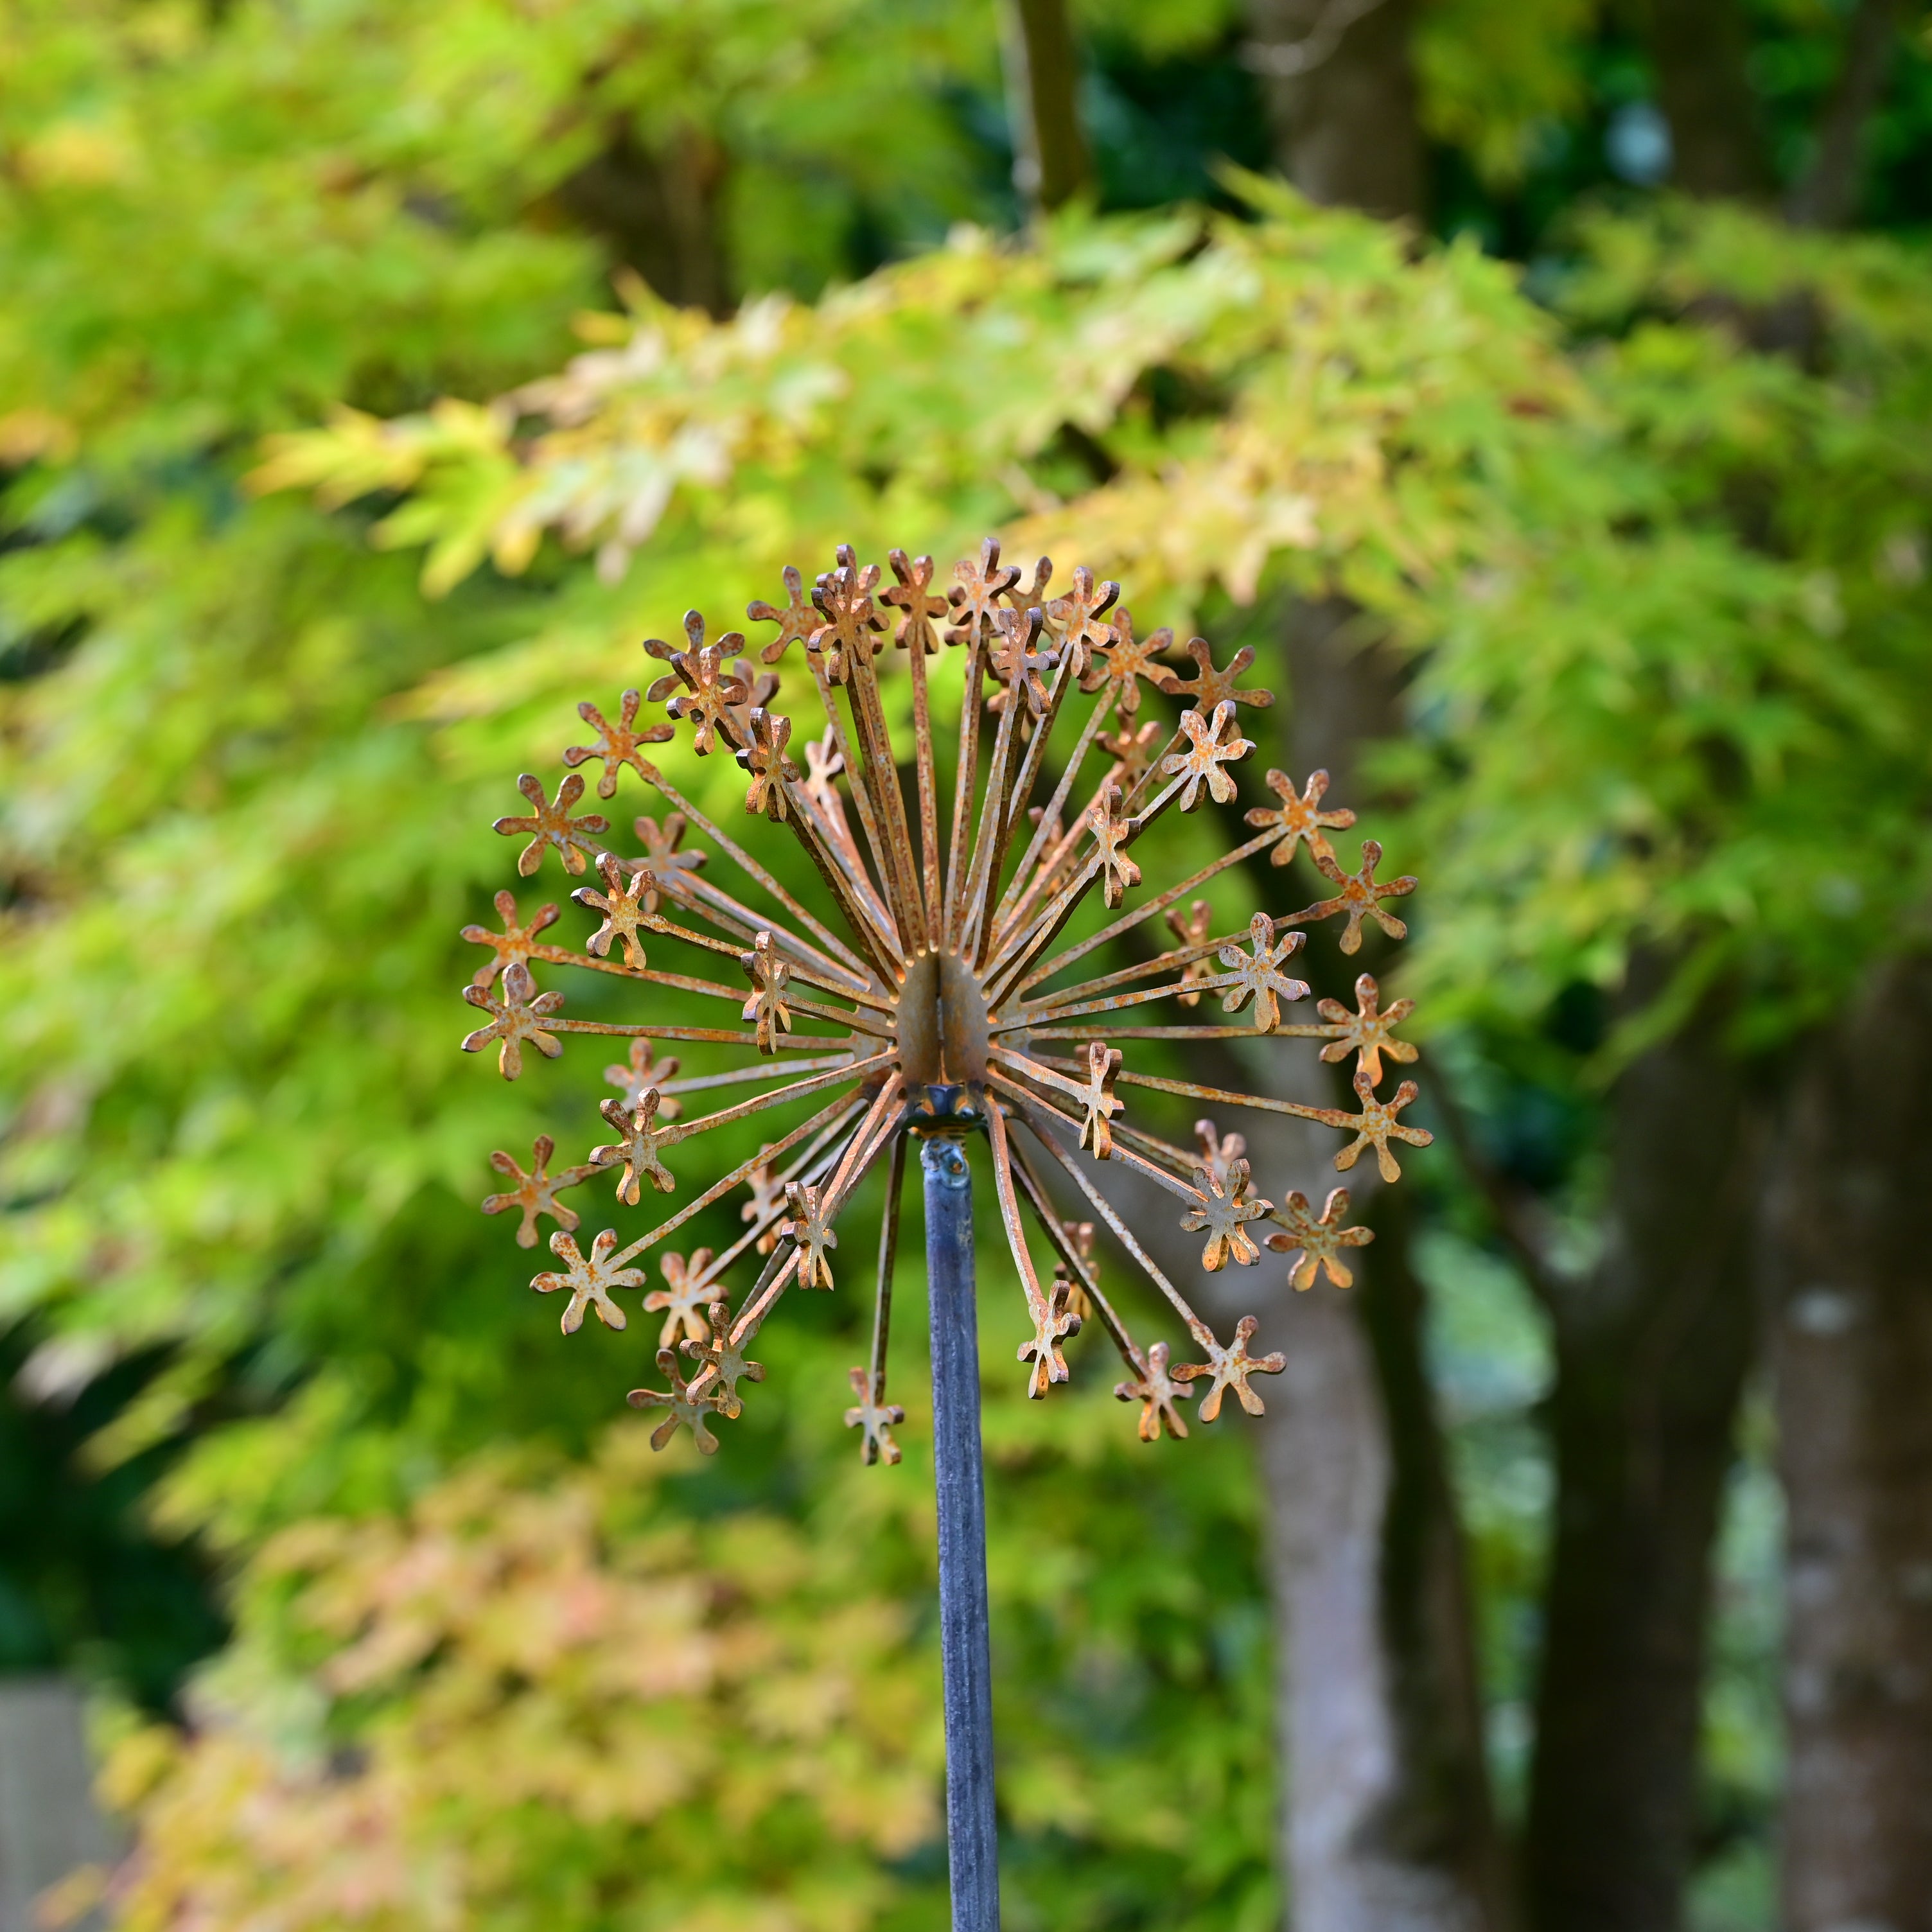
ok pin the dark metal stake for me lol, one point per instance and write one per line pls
(971, 1840)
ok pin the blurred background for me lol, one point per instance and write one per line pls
(1542, 388)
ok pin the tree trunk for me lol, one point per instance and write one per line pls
(1851, 1275)
(1651, 1352)
(1341, 94)
(661, 210)
(1698, 49)
(1387, 1823)
(1051, 164)
(1388, 1820)
(1827, 196)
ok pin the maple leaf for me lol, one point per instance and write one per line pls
(588, 1279)
(516, 1015)
(514, 944)
(534, 1192)
(1230, 1368)
(1156, 1392)
(617, 744)
(551, 826)
(1301, 818)
(1319, 1242)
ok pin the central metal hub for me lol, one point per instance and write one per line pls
(942, 1022)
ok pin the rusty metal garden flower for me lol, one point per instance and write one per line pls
(932, 993)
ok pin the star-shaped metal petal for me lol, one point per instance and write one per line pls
(639, 1074)
(725, 1359)
(1230, 1368)
(1099, 1100)
(1156, 1391)
(1317, 1243)
(664, 854)
(1208, 689)
(711, 689)
(1053, 1323)
(762, 756)
(1126, 661)
(1260, 978)
(534, 1192)
(975, 596)
(622, 906)
(1112, 830)
(694, 1410)
(796, 620)
(617, 744)
(512, 947)
(1077, 620)
(769, 973)
(637, 1148)
(686, 1298)
(1225, 1209)
(589, 1279)
(810, 1227)
(1301, 818)
(1191, 929)
(1366, 1031)
(1376, 1125)
(1212, 745)
(515, 1015)
(551, 826)
(1359, 897)
(1219, 1151)
(913, 595)
(878, 1419)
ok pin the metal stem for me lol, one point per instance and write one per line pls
(971, 1840)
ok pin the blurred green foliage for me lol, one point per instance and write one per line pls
(1657, 542)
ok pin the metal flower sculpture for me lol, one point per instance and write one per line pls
(932, 992)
